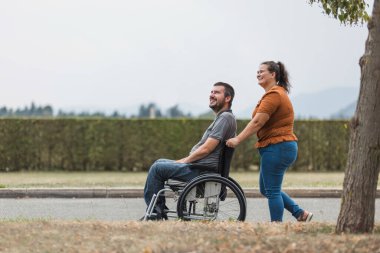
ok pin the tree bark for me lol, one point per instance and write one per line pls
(357, 211)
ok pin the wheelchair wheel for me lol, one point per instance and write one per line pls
(241, 189)
(212, 198)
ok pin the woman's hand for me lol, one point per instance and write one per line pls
(233, 142)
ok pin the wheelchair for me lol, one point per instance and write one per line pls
(210, 196)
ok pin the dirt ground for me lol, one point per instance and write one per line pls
(148, 237)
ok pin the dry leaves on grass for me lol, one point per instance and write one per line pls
(176, 236)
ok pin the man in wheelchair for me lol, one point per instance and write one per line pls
(203, 157)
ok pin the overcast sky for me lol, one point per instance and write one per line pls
(119, 54)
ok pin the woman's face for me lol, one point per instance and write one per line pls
(264, 77)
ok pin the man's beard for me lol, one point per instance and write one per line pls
(216, 107)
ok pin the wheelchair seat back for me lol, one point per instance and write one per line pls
(225, 159)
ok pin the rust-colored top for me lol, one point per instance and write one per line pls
(279, 127)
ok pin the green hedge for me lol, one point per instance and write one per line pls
(133, 144)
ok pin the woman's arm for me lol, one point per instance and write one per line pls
(252, 127)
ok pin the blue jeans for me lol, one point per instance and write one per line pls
(162, 170)
(275, 160)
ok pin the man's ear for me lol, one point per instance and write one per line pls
(227, 99)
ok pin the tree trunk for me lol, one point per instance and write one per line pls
(357, 211)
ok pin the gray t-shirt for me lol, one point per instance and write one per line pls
(222, 129)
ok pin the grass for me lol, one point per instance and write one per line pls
(137, 179)
(176, 236)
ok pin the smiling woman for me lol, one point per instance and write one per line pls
(272, 122)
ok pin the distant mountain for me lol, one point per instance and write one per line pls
(325, 103)
(345, 113)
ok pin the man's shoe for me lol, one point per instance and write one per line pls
(153, 217)
(161, 213)
(305, 216)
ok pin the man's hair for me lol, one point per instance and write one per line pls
(228, 91)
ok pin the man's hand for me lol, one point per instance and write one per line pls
(233, 142)
(183, 160)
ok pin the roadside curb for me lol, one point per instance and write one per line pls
(138, 193)
(71, 193)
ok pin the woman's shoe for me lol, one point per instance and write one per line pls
(305, 216)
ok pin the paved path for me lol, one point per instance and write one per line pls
(138, 193)
(122, 209)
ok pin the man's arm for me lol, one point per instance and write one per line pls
(201, 152)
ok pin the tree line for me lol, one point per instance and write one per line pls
(150, 110)
(33, 110)
(153, 111)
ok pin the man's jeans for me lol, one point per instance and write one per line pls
(162, 170)
(275, 160)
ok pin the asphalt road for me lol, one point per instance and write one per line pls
(324, 209)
